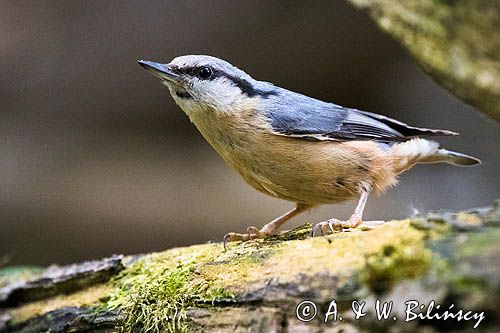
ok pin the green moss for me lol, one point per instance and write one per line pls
(466, 284)
(155, 292)
(301, 232)
(484, 243)
(434, 226)
(450, 3)
(450, 274)
(396, 262)
(462, 260)
(464, 273)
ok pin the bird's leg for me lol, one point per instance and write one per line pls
(333, 225)
(267, 230)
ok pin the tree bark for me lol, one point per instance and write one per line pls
(451, 258)
(457, 42)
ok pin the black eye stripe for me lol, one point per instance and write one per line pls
(245, 86)
(194, 71)
(183, 70)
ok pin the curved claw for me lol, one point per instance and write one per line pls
(233, 236)
(225, 240)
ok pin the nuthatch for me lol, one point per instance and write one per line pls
(295, 147)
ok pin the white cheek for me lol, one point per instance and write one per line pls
(218, 94)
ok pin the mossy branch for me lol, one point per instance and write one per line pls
(457, 42)
(255, 286)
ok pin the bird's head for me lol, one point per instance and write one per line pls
(200, 83)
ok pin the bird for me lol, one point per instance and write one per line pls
(294, 147)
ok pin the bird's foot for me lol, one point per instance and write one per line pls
(333, 225)
(252, 233)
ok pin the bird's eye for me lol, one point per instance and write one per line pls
(205, 73)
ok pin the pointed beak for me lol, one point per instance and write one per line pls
(163, 71)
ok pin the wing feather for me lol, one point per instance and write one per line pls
(309, 118)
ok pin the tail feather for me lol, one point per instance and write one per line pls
(407, 154)
(451, 157)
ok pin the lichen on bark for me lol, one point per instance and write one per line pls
(256, 285)
(457, 42)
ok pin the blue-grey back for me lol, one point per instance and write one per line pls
(297, 115)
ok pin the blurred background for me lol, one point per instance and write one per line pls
(97, 159)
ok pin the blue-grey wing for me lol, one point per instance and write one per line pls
(296, 115)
